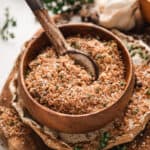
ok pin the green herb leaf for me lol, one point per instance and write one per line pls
(120, 147)
(77, 148)
(99, 56)
(61, 6)
(57, 87)
(27, 71)
(11, 123)
(130, 47)
(9, 22)
(122, 83)
(135, 111)
(148, 91)
(104, 140)
(75, 45)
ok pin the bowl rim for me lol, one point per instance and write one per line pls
(38, 34)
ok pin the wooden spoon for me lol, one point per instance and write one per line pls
(58, 40)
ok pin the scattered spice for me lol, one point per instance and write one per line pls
(10, 123)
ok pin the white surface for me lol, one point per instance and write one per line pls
(26, 27)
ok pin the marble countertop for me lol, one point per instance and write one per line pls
(26, 27)
(9, 50)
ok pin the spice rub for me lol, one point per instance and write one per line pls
(64, 86)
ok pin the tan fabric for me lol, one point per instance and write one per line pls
(131, 124)
(13, 132)
(119, 14)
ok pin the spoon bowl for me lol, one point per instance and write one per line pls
(58, 40)
(65, 122)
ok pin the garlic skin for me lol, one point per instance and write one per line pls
(118, 14)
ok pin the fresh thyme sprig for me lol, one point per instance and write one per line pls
(61, 6)
(120, 147)
(104, 140)
(9, 22)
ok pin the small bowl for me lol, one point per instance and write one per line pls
(145, 7)
(74, 123)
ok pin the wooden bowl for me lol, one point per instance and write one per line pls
(74, 123)
(145, 8)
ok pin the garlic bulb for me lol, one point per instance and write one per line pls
(119, 14)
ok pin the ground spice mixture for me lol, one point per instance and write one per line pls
(123, 128)
(10, 123)
(66, 87)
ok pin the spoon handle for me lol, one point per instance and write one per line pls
(49, 26)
